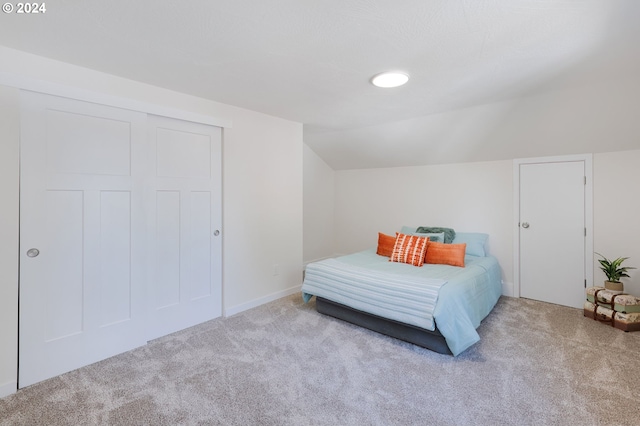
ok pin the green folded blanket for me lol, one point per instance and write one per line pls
(449, 234)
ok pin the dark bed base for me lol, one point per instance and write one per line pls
(431, 340)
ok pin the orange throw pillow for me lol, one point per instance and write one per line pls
(446, 254)
(409, 249)
(385, 244)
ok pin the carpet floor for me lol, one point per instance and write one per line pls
(285, 364)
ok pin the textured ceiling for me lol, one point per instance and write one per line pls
(310, 61)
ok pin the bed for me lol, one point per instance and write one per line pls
(435, 306)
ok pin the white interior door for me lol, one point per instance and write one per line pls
(184, 218)
(82, 298)
(552, 232)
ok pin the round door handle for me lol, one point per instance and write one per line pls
(216, 232)
(34, 252)
(525, 225)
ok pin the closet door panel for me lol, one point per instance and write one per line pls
(185, 276)
(82, 234)
(166, 285)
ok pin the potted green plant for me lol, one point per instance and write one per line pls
(614, 270)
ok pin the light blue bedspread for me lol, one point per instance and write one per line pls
(368, 282)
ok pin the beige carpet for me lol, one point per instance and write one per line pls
(285, 364)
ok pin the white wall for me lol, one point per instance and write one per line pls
(318, 207)
(262, 211)
(616, 212)
(262, 190)
(471, 197)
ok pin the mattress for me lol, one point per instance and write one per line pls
(464, 297)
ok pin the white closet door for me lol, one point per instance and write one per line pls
(82, 298)
(184, 219)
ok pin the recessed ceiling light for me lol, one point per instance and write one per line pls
(390, 79)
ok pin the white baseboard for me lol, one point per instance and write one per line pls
(8, 388)
(507, 289)
(261, 301)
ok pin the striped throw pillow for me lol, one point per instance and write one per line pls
(409, 249)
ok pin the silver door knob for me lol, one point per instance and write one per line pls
(525, 225)
(34, 252)
(216, 233)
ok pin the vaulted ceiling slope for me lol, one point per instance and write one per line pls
(471, 62)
